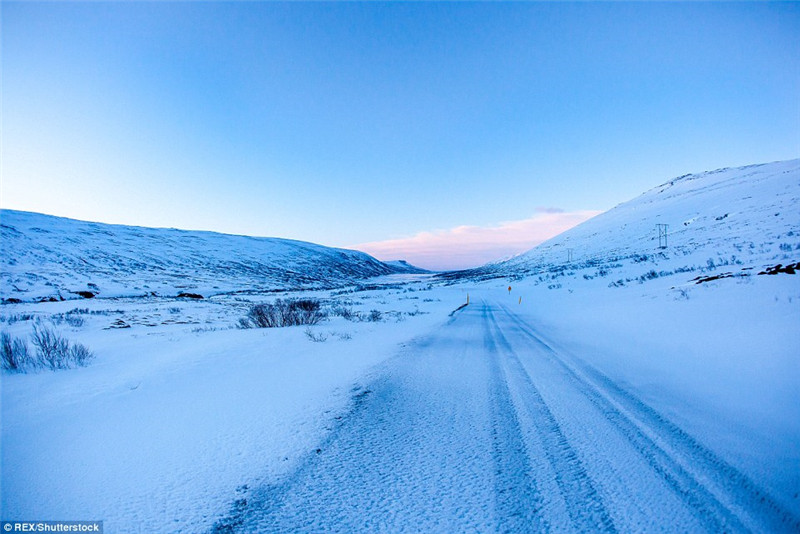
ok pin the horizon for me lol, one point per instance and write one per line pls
(193, 230)
(446, 135)
(449, 241)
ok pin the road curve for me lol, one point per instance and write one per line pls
(483, 426)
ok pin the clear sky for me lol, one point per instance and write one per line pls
(448, 134)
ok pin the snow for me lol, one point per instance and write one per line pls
(404, 266)
(631, 388)
(52, 257)
(726, 373)
(729, 220)
(168, 422)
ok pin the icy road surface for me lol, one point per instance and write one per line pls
(484, 426)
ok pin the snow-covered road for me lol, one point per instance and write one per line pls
(486, 425)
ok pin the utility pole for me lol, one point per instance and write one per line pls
(662, 235)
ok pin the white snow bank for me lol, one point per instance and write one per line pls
(719, 359)
(159, 431)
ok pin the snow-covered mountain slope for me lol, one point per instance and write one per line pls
(47, 257)
(402, 266)
(731, 222)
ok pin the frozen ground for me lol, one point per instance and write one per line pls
(621, 387)
(490, 424)
(181, 408)
(550, 413)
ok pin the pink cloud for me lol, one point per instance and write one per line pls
(471, 246)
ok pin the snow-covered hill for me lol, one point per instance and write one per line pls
(732, 222)
(46, 257)
(403, 266)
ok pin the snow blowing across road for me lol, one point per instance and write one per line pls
(483, 426)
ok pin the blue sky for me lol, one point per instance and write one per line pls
(379, 125)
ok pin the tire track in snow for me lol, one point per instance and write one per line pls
(716, 491)
(414, 455)
(517, 499)
(254, 511)
(585, 506)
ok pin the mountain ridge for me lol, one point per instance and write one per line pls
(46, 257)
(740, 218)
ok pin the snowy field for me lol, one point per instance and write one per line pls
(619, 387)
(174, 423)
(182, 407)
